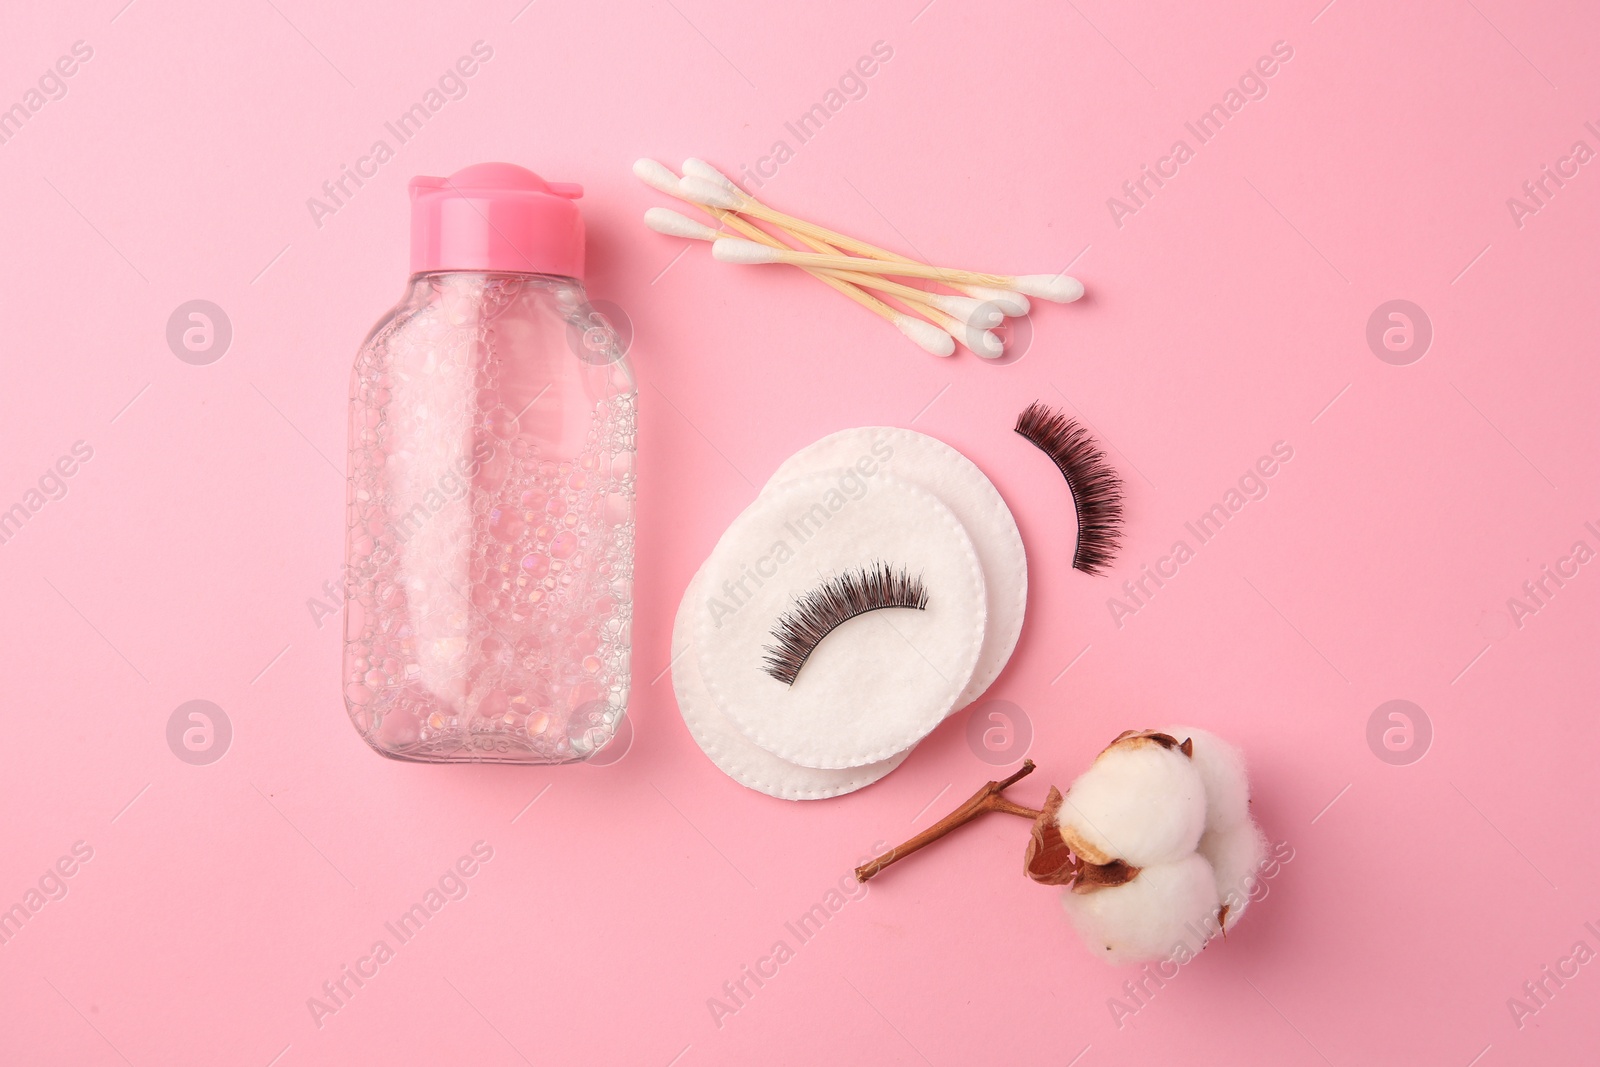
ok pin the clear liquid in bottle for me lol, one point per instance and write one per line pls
(489, 557)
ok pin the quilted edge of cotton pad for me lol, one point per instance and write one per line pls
(985, 673)
(729, 746)
(975, 572)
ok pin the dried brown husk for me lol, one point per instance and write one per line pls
(1092, 876)
(1052, 859)
(1049, 859)
(1151, 737)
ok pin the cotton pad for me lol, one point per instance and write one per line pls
(736, 755)
(879, 682)
(965, 490)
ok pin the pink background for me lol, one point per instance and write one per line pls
(1227, 314)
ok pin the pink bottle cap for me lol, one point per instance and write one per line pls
(496, 217)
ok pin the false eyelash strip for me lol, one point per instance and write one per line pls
(1096, 488)
(818, 613)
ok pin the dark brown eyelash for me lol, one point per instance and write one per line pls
(815, 615)
(1096, 488)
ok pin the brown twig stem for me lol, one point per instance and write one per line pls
(985, 800)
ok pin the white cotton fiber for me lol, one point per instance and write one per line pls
(1139, 802)
(964, 489)
(671, 223)
(711, 194)
(1236, 857)
(926, 335)
(1057, 287)
(1168, 905)
(656, 176)
(735, 755)
(1222, 772)
(734, 249)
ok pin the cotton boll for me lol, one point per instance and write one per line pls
(1221, 768)
(1166, 906)
(1236, 857)
(1141, 802)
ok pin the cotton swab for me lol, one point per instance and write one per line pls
(1056, 287)
(1059, 288)
(964, 309)
(657, 177)
(924, 335)
(981, 341)
(721, 193)
(970, 313)
(947, 328)
(1010, 303)
(699, 168)
(665, 220)
(932, 338)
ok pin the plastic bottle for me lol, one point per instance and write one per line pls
(489, 554)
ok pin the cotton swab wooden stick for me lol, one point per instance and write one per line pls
(981, 341)
(1005, 299)
(938, 338)
(934, 339)
(706, 185)
(964, 309)
(927, 336)
(969, 311)
(1057, 287)
(962, 317)
(930, 337)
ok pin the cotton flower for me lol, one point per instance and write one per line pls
(1142, 801)
(1155, 813)
(1154, 842)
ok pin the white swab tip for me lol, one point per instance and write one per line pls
(983, 342)
(926, 335)
(656, 176)
(1060, 288)
(708, 193)
(665, 220)
(973, 312)
(699, 168)
(738, 250)
(1010, 304)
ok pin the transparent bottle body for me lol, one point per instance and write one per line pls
(489, 551)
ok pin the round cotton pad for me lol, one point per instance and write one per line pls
(965, 490)
(736, 755)
(880, 681)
